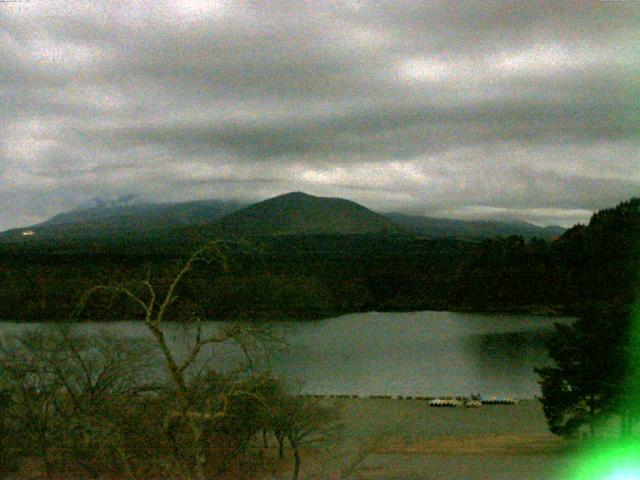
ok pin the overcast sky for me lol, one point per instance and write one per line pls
(449, 108)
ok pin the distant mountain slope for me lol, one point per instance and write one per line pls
(124, 220)
(289, 214)
(444, 227)
(298, 213)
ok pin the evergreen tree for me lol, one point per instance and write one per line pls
(590, 375)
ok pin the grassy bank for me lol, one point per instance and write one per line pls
(398, 439)
(407, 439)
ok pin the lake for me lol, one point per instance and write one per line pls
(410, 354)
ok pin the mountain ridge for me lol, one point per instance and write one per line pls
(435, 227)
(292, 213)
(124, 220)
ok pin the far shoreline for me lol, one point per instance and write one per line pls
(533, 310)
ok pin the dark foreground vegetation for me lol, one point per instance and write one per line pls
(595, 375)
(94, 405)
(312, 276)
(81, 407)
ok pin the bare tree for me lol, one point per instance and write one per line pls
(196, 413)
(303, 422)
(32, 390)
(64, 388)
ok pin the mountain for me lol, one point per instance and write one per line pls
(471, 229)
(298, 213)
(289, 214)
(124, 220)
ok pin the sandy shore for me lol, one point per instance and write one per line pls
(407, 439)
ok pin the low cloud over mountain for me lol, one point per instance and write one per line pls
(526, 109)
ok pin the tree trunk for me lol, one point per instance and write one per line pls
(296, 456)
(280, 439)
(200, 450)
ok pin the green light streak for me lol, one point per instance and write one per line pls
(608, 461)
(616, 459)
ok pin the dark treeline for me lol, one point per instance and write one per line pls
(587, 266)
(306, 277)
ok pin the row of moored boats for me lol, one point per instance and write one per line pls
(471, 402)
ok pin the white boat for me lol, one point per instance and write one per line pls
(444, 402)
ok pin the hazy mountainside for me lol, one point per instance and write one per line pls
(471, 229)
(294, 213)
(126, 220)
(149, 214)
(298, 213)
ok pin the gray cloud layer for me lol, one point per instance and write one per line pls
(465, 109)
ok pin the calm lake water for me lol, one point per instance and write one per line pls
(416, 353)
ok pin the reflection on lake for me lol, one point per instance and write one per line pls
(417, 353)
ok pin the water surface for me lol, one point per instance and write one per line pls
(410, 354)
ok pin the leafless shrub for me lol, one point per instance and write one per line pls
(66, 392)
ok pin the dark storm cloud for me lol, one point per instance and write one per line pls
(462, 108)
(396, 131)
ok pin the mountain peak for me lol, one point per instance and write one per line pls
(298, 213)
(295, 194)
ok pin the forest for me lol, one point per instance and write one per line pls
(303, 277)
(79, 406)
